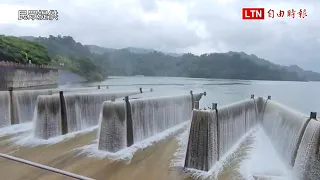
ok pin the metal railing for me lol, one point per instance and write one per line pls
(13, 64)
(58, 171)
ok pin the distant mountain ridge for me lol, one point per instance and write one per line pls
(139, 61)
(306, 74)
(309, 75)
(101, 50)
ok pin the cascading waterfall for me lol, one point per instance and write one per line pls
(153, 115)
(47, 117)
(5, 119)
(89, 107)
(73, 116)
(284, 127)
(234, 121)
(307, 163)
(140, 119)
(295, 137)
(82, 109)
(113, 130)
(202, 151)
(213, 133)
(25, 102)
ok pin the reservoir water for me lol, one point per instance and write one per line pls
(301, 96)
(73, 153)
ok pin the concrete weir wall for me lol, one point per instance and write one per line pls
(125, 123)
(18, 106)
(22, 77)
(214, 132)
(295, 137)
(70, 112)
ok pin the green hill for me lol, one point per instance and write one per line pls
(20, 51)
(96, 62)
(75, 56)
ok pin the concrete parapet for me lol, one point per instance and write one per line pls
(21, 77)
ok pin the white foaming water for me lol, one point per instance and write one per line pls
(113, 129)
(178, 163)
(264, 160)
(179, 156)
(4, 109)
(16, 129)
(284, 128)
(234, 121)
(47, 117)
(202, 151)
(83, 109)
(153, 115)
(128, 153)
(307, 164)
(28, 139)
(25, 101)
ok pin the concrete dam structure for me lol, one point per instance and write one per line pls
(59, 114)
(18, 106)
(99, 134)
(127, 122)
(18, 76)
(295, 137)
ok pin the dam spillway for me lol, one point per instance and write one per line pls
(212, 134)
(18, 106)
(82, 111)
(142, 119)
(5, 119)
(295, 137)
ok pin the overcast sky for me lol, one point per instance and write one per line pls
(196, 26)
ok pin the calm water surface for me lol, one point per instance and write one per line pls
(301, 96)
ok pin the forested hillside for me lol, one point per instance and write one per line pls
(215, 65)
(75, 56)
(97, 62)
(21, 51)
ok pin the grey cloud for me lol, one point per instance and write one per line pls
(101, 23)
(279, 41)
(148, 5)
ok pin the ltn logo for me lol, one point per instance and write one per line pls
(252, 13)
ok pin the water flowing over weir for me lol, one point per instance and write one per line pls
(222, 129)
(234, 121)
(307, 164)
(82, 111)
(295, 137)
(143, 119)
(19, 105)
(154, 115)
(48, 109)
(202, 147)
(25, 102)
(5, 119)
(284, 128)
(85, 108)
(113, 129)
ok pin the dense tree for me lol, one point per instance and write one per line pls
(75, 56)
(20, 51)
(215, 65)
(95, 62)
